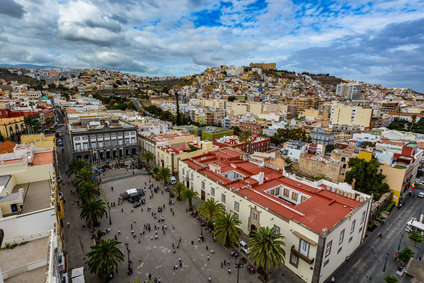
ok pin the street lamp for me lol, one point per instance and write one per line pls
(385, 262)
(129, 261)
(110, 216)
(239, 262)
(401, 237)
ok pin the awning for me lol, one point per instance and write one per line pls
(77, 272)
(306, 239)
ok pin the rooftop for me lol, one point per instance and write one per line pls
(37, 195)
(313, 211)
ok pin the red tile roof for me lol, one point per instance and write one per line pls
(323, 208)
(7, 147)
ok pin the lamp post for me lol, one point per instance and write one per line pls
(401, 237)
(385, 262)
(239, 263)
(110, 216)
(129, 261)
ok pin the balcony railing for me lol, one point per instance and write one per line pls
(300, 255)
(104, 147)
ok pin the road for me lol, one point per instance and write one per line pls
(366, 264)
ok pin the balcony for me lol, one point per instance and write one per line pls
(300, 255)
(104, 147)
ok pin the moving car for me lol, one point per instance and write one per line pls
(421, 195)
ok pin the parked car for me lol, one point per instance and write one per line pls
(172, 180)
(421, 195)
(243, 247)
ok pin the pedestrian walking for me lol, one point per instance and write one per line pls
(134, 221)
(192, 243)
(67, 224)
(131, 226)
(122, 210)
(210, 278)
(208, 257)
(116, 238)
(179, 239)
(207, 248)
(111, 188)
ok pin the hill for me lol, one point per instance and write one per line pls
(7, 76)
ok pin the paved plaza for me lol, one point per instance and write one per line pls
(154, 256)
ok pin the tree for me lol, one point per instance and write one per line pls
(155, 172)
(231, 98)
(77, 165)
(178, 189)
(227, 229)
(148, 156)
(105, 257)
(93, 210)
(178, 117)
(2, 139)
(189, 194)
(366, 177)
(416, 237)
(266, 246)
(87, 192)
(390, 279)
(211, 209)
(245, 136)
(413, 118)
(405, 255)
(31, 104)
(84, 176)
(131, 105)
(164, 174)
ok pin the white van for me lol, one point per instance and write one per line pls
(172, 180)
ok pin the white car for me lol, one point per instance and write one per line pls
(172, 180)
(244, 247)
(421, 195)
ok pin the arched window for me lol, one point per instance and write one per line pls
(17, 128)
(11, 130)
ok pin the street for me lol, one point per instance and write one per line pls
(367, 263)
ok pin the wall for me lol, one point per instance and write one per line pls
(27, 224)
(394, 178)
(32, 174)
(317, 168)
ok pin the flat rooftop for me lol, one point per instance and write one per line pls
(37, 195)
(22, 256)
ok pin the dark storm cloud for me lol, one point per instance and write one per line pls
(108, 25)
(11, 8)
(394, 54)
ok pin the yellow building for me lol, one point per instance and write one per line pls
(350, 116)
(169, 155)
(12, 128)
(314, 113)
(40, 140)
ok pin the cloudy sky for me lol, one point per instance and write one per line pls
(373, 41)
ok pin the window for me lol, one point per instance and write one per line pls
(223, 198)
(127, 134)
(212, 191)
(192, 177)
(277, 229)
(236, 215)
(255, 216)
(294, 260)
(286, 192)
(328, 249)
(339, 250)
(93, 145)
(236, 206)
(183, 171)
(352, 228)
(167, 159)
(363, 217)
(350, 239)
(302, 198)
(341, 237)
(100, 144)
(326, 262)
(203, 185)
(294, 196)
(93, 137)
(304, 247)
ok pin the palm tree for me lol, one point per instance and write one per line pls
(31, 104)
(155, 172)
(245, 136)
(178, 189)
(266, 246)
(105, 257)
(93, 210)
(211, 209)
(414, 119)
(164, 174)
(189, 194)
(84, 176)
(78, 165)
(87, 192)
(227, 230)
(148, 156)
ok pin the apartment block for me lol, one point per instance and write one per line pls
(258, 144)
(350, 91)
(350, 116)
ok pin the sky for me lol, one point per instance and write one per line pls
(379, 42)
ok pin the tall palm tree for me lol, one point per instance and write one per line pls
(155, 172)
(31, 104)
(92, 210)
(87, 192)
(164, 174)
(189, 194)
(227, 230)
(105, 257)
(414, 119)
(84, 176)
(77, 165)
(148, 156)
(178, 189)
(266, 247)
(211, 209)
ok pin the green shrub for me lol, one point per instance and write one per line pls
(380, 216)
(372, 224)
(13, 246)
(390, 206)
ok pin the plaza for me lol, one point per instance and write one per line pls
(151, 256)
